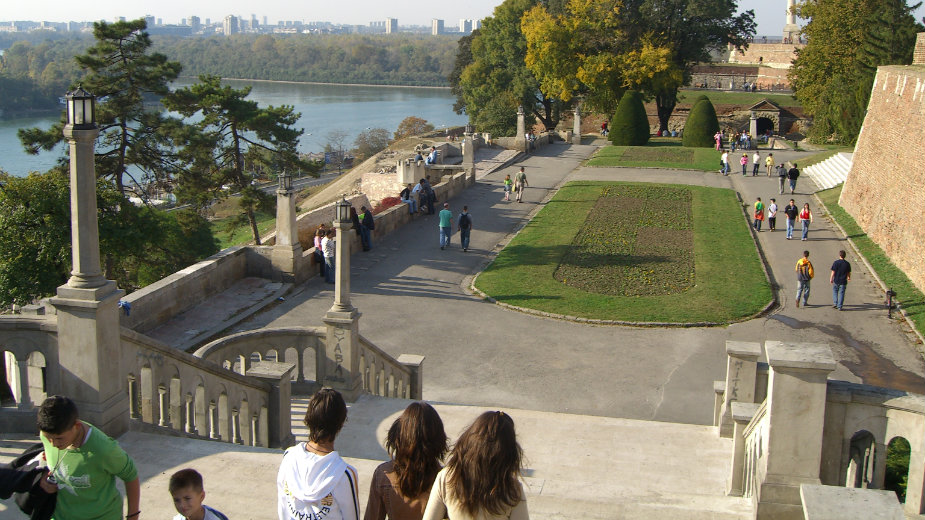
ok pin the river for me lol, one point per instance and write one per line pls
(324, 108)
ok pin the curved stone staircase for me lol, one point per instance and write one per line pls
(830, 172)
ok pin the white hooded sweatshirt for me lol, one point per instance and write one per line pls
(312, 487)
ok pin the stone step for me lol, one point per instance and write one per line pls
(831, 172)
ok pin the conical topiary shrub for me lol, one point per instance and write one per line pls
(701, 126)
(630, 125)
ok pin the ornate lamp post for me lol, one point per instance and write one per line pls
(522, 128)
(89, 334)
(341, 370)
(287, 252)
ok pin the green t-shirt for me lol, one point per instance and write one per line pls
(446, 216)
(86, 478)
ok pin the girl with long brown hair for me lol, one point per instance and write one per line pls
(481, 479)
(417, 443)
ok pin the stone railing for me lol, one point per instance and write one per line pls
(376, 372)
(807, 430)
(168, 391)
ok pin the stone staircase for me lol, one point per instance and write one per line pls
(830, 172)
(577, 466)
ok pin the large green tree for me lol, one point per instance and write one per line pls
(231, 131)
(124, 74)
(834, 73)
(496, 80)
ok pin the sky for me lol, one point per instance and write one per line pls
(770, 14)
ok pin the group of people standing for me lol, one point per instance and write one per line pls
(791, 211)
(480, 479)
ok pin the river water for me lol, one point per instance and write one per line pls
(324, 108)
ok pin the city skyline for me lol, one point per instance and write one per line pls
(769, 14)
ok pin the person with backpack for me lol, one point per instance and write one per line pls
(367, 226)
(759, 214)
(464, 223)
(804, 276)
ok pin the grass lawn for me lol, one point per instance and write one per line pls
(634, 252)
(660, 153)
(241, 234)
(911, 298)
(737, 97)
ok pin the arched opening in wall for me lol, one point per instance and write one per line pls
(239, 364)
(244, 423)
(175, 392)
(763, 124)
(897, 467)
(271, 355)
(224, 418)
(861, 460)
(309, 362)
(256, 357)
(10, 379)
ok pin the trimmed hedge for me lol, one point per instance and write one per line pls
(701, 125)
(630, 125)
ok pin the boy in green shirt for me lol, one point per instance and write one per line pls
(84, 463)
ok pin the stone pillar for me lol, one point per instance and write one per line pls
(341, 367)
(213, 421)
(741, 368)
(189, 414)
(742, 414)
(918, 54)
(753, 128)
(791, 29)
(521, 130)
(89, 337)
(275, 422)
(469, 159)
(576, 126)
(796, 411)
(287, 253)
(416, 365)
(915, 487)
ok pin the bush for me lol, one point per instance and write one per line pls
(385, 204)
(630, 125)
(701, 125)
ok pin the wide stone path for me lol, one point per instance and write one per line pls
(413, 299)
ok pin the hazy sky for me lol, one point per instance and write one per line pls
(770, 13)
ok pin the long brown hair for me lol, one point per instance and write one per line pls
(417, 443)
(485, 464)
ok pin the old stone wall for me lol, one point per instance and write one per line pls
(776, 55)
(885, 186)
(918, 55)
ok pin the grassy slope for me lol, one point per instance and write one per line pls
(522, 274)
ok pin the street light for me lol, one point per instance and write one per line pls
(342, 212)
(342, 222)
(81, 109)
(285, 181)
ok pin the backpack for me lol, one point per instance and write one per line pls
(805, 272)
(464, 222)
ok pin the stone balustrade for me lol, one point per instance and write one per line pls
(800, 429)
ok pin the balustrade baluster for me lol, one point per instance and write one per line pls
(190, 427)
(162, 406)
(235, 439)
(254, 430)
(132, 409)
(213, 422)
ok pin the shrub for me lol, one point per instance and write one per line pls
(701, 125)
(385, 204)
(630, 124)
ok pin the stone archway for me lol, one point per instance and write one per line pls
(763, 124)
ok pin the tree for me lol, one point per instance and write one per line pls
(123, 73)
(630, 124)
(833, 74)
(701, 125)
(597, 48)
(496, 80)
(336, 140)
(232, 130)
(411, 126)
(370, 142)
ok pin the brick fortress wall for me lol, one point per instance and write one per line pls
(886, 185)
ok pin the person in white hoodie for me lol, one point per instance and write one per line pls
(314, 482)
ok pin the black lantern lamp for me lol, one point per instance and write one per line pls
(81, 109)
(342, 211)
(285, 181)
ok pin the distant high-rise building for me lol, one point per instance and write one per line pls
(160, 21)
(148, 20)
(230, 25)
(391, 25)
(183, 21)
(436, 27)
(195, 24)
(254, 22)
(208, 21)
(121, 18)
(465, 26)
(265, 20)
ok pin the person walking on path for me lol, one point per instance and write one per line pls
(744, 162)
(791, 211)
(464, 223)
(759, 214)
(804, 276)
(806, 218)
(782, 177)
(841, 275)
(769, 163)
(508, 184)
(446, 225)
(520, 182)
(328, 248)
(793, 174)
(756, 162)
(724, 160)
(367, 225)
(772, 215)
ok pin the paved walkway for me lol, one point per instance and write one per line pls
(413, 300)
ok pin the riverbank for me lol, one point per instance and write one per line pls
(287, 82)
